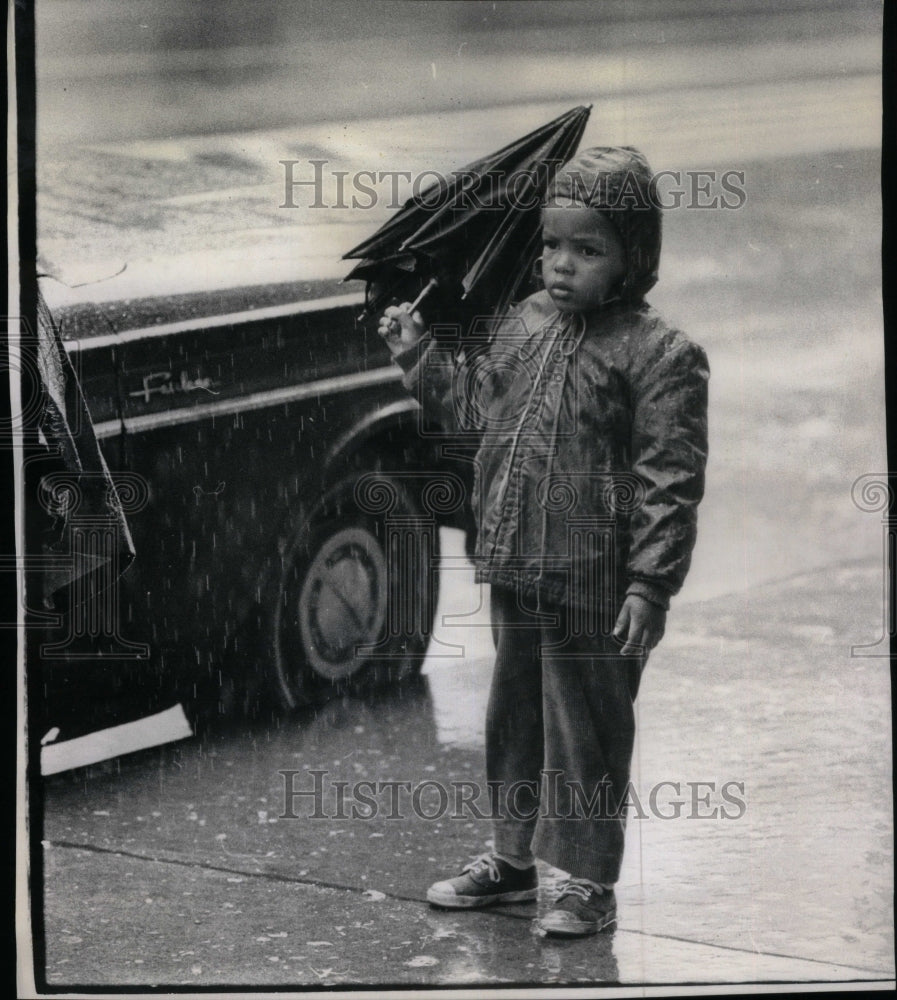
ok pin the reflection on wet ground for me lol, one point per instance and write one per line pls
(199, 847)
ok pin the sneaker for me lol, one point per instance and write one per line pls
(580, 909)
(486, 880)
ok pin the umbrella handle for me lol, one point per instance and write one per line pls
(425, 291)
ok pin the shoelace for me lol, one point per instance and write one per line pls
(569, 887)
(484, 861)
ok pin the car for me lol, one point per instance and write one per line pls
(284, 498)
(285, 522)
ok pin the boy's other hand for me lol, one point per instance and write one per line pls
(400, 328)
(639, 626)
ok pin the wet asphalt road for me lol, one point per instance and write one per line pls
(118, 70)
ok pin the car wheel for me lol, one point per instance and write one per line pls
(352, 612)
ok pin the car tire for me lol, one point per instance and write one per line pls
(356, 595)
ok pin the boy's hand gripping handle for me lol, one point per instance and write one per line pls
(403, 326)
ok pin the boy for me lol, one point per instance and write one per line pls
(592, 446)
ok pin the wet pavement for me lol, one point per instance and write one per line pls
(115, 69)
(181, 865)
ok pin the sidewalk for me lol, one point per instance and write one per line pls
(178, 866)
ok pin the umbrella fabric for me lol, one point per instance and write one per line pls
(477, 232)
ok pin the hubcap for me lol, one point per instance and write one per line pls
(342, 603)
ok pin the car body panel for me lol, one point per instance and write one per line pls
(237, 423)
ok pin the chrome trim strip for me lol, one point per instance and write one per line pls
(103, 744)
(254, 401)
(210, 322)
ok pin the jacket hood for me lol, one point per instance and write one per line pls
(617, 181)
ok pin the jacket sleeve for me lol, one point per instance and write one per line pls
(456, 384)
(429, 375)
(669, 455)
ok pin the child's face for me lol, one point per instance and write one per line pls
(583, 259)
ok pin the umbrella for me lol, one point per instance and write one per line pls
(474, 236)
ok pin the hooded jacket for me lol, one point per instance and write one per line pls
(588, 432)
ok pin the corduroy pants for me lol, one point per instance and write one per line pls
(560, 729)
